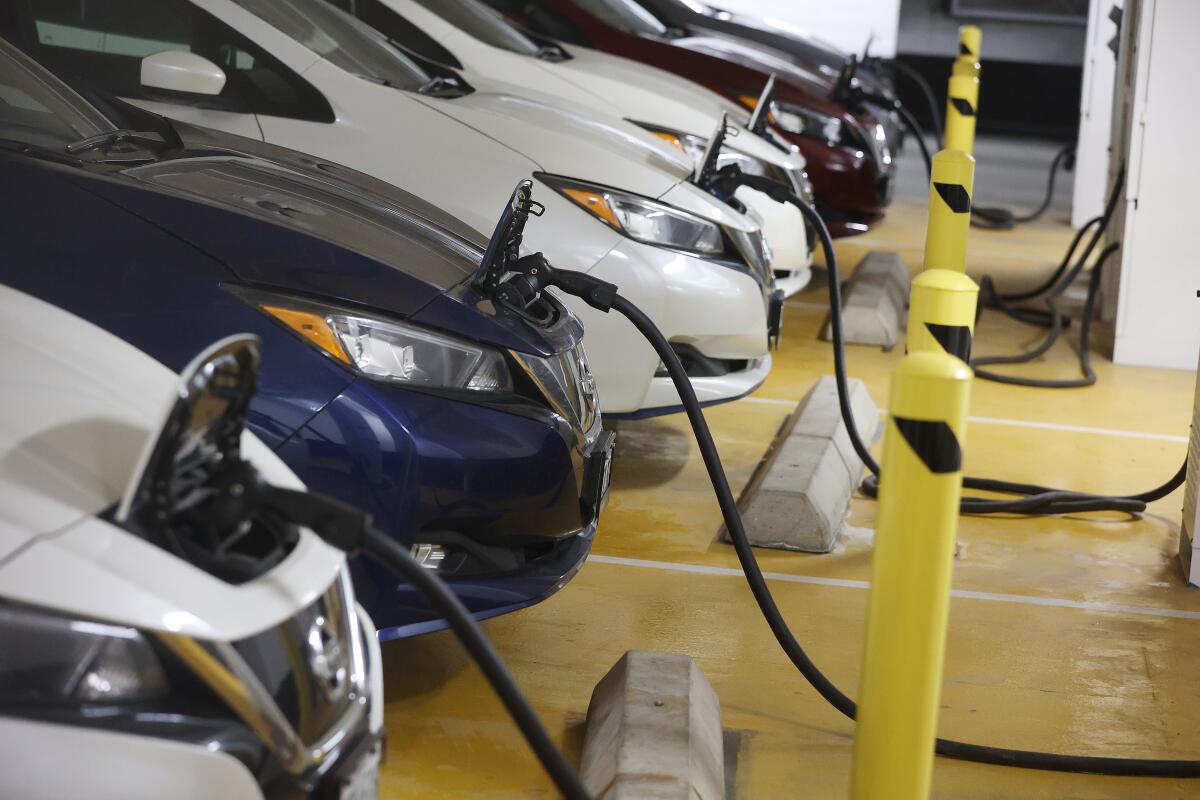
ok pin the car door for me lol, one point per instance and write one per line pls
(100, 44)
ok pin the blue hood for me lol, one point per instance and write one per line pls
(335, 234)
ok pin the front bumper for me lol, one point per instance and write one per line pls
(851, 192)
(504, 485)
(194, 755)
(718, 310)
(784, 229)
(663, 399)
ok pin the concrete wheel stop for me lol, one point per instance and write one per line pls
(654, 732)
(800, 493)
(875, 301)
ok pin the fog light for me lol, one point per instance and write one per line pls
(429, 556)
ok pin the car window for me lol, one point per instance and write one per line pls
(399, 30)
(99, 44)
(540, 18)
(485, 24)
(625, 15)
(35, 111)
(340, 39)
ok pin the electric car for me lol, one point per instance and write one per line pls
(303, 74)
(686, 18)
(132, 666)
(847, 147)
(472, 37)
(469, 432)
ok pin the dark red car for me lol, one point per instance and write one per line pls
(849, 152)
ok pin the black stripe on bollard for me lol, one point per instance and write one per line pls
(954, 339)
(933, 442)
(963, 106)
(955, 196)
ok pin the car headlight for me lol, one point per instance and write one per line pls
(389, 350)
(52, 659)
(801, 121)
(804, 187)
(642, 219)
(688, 143)
(879, 146)
(695, 147)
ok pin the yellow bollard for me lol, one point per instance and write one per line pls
(950, 188)
(962, 105)
(941, 313)
(969, 40)
(967, 62)
(965, 67)
(910, 579)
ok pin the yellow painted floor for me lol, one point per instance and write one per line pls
(1018, 673)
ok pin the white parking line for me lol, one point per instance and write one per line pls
(1055, 426)
(1022, 423)
(993, 597)
(769, 401)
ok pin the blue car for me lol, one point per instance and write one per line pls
(469, 432)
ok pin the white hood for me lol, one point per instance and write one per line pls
(606, 84)
(80, 405)
(569, 139)
(646, 94)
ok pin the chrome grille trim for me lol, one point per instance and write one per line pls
(565, 382)
(753, 248)
(219, 665)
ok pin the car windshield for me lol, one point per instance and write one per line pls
(36, 111)
(340, 39)
(484, 24)
(689, 6)
(626, 15)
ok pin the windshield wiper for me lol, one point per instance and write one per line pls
(375, 79)
(552, 52)
(438, 86)
(36, 150)
(110, 138)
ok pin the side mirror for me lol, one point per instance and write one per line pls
(181, 71)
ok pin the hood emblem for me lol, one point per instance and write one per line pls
(326, 657)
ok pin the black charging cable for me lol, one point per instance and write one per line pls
(992, 217)
(990, 297)
(1056, 327)
(1050, 291)
(350, 530)
(1004, 219)
(531, 275)
(898, 66)
(604, 297)
(1034, 500)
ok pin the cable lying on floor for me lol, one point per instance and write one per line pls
(1056, 327)
(524, 288)
(1034, 499)
(1004, 219)
(981, 216)
(1050, 291)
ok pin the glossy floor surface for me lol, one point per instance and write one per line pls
(1072, 635)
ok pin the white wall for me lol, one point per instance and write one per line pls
(1158, 311)
(928, 29)
(845, 23)
(1095, 115)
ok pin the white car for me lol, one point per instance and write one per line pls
(303, 74)
(126, 670)
(476, 38)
